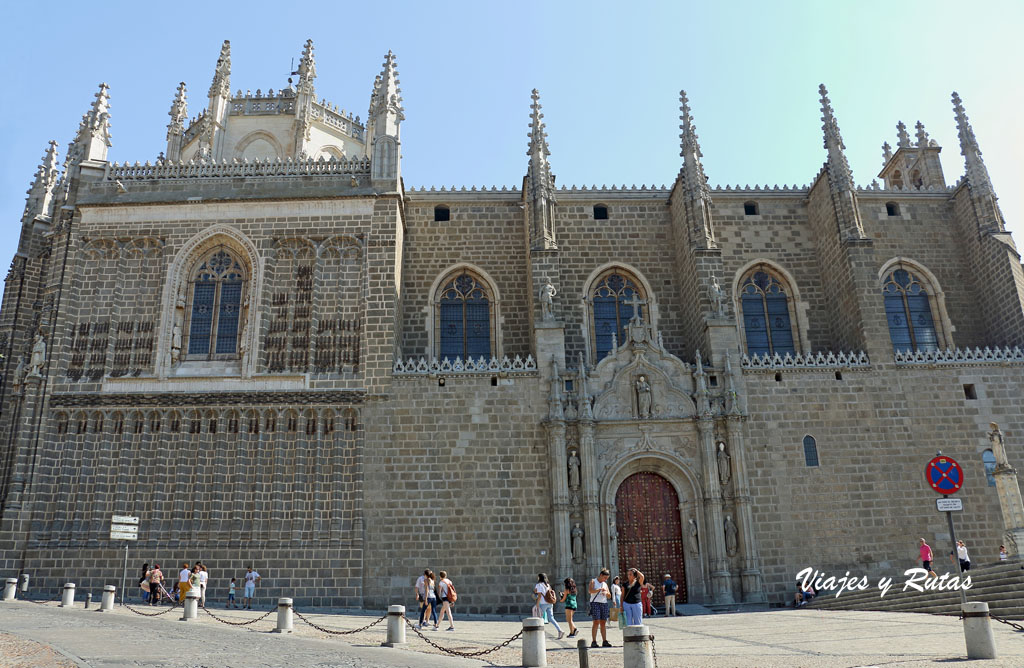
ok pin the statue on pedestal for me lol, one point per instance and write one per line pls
(643, 397)
(731, 536)
(717, 294)
(574, 470)
(547, 302)
(38, 358)
(694, 544)
(998, 447)
(724, 468)
(577, 542)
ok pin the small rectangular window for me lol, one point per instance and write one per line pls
(600, 212)
(970, 392)
(442, 213)
(750, 209)
(892, 209)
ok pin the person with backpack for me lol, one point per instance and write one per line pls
(546, 597)
(446, 591)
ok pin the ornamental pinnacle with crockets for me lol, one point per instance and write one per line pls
(176, 128)
(41, 194)
(697, 202)
(540, 182)
(840, 177)
(990, 217)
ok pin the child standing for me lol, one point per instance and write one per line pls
(231, 595)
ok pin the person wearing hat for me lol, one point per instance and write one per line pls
(668, 588)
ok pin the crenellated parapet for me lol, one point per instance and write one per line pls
(960, 356)
(809, 361)
(479, 367)
(206, 169)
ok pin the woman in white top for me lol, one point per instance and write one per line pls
(547, 613)
(443, 586)
(204, 575)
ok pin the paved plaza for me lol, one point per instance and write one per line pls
(45, 635)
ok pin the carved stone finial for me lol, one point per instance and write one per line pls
(886, 153)
(694, 180)
(307, 68)
(922, 136)
(41, 195)
(221, 84)
(902, 137)
(977, 174)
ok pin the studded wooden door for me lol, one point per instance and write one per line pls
(650, 532)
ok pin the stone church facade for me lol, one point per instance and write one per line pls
(272, 352)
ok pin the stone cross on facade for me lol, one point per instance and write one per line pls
(635, 303)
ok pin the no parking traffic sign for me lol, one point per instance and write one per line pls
(944, 475)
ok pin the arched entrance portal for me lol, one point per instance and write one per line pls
(650, 533)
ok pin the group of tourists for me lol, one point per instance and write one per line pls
(196, 577)
(436, 595)
(626, 604)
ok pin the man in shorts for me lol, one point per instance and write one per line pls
(599, 597)
(251, 578)
(926, 557)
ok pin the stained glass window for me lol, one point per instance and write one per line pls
(465, 319)
(908, 312)
(216, 306)
(613, 311)
(766, 315)
(989, 460)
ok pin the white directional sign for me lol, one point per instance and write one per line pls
(949, 505)
(124, 527)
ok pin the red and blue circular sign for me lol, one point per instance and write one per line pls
(944, 475)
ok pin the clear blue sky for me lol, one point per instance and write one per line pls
(609, 75)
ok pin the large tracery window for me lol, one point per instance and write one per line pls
(766, 315)
(614, 297)
(464, 309)
(217, 296)
(908, 311)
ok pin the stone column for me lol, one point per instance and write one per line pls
(750, 574)
(1008, 490)
(591, 496)
(714, 537)
(559, 497)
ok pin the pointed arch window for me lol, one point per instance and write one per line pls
(989, 460)
(464, 313)
(908, 311)
(217, 293)
(810, 451)
(613, 300)
(767, 321)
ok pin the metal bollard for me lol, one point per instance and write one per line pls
(396, 627)
(534, 647)
(981, 644)
(68, 599)
(636, 647)
(10, 589)
(107, 601)
(581, 645)
(24, 583)
(191, 608)
(88, 599)
(284, 615)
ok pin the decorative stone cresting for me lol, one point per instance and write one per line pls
(961, 356)
(204, 169)
(818, 360)
(479, 366)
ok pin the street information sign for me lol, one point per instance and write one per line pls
(946, 505)
(124, 527)
(944, 475)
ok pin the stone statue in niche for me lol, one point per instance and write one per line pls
(38, 358)
(19, 376)
(731, 536)
(643, 397)
(574, 470)
(547, 302)
(693, 543)
(717, 294)
(724, 464)
(175, 343)
(998, 446)
(577, 542)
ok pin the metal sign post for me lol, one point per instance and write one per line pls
(946, 477)
(126, 528)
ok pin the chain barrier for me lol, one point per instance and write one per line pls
(49, 600)
(339, 633)
(1015, 625)
(153, 614)
(251, 621)
(654, 652)
(456, 652)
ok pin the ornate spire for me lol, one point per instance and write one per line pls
(307, 68)
(93, 137)
(922, 136)
(40, 194)
(221, 85)
(585, 410)
(179, 116)
(902, 136)
(387, 96)
(540, 182)
(840, 177)
(977, 173)
(886, 153)
(383, 124)
(694, 181)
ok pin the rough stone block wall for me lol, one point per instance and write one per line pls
(457, 479)
(864, 507)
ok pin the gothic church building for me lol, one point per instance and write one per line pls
(266, 347)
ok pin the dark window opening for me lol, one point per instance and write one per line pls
(892, 209)
(839, 375)
(440, 382)
(750, 209)
(494, 381)
(600, 212)
(810, 451)
(442, 213)
(970, 392)
(778, 378)
(713, 381)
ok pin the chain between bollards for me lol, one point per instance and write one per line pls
(1014, 625)
(339, 633)
(152, 614)
(251, 621)
(456, 652)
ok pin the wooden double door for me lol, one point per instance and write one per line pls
(650, 533)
